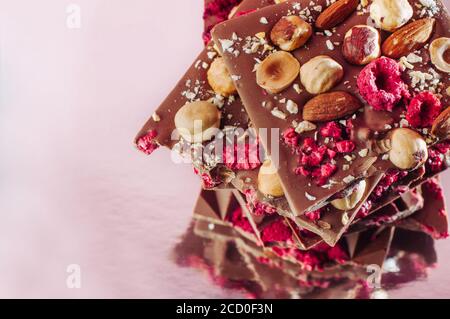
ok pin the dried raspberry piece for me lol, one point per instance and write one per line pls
(147, 143)
(314, 216)
(308, 145)
(313, 159)
(302, 171)
(238, 219)
(364, 210)
(435, 162)
(291, 138)
(241, 156)
(276, 231)
(331, 129)
(423, 110)
(216, 11)
(381, 85)
(309, 260)
(337, 254)
(345, 147)
(323, 173)
(434, 189)
(207, 180)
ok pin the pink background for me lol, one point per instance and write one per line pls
(72, 188)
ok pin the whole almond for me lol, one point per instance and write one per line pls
(336, 13)
(441, 125)
(409, 38)
(330, 106)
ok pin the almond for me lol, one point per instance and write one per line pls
(441, 125)
(330, 106)
(411, 37)
(336, 13)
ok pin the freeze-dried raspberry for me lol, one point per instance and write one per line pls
(331, 154)
(337, 254)
(217, 11)
(323, 173)
(435, 162)
(238, 219)
(313, 159)
(381, 85)
(331, 129)
(314, 216)
(431, 187)
(365, 209)
(423, 110)
(291, 138)
(241, 156)
(308, 145)
(276, 231)
(345, 147)
(207, 180)
(309, 260)
(147, 143)
(301, 170)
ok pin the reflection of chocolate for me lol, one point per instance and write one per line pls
(231, 264)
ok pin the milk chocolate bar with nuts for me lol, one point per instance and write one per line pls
(338, 114)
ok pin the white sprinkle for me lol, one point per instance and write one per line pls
(292, 107)
(330, 45)
(156, 117)
(263, 20)
(310, 197)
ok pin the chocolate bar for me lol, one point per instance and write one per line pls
(367, 133)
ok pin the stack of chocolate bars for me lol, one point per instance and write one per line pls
(318, 129)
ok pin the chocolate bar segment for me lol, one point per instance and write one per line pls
(365, 128)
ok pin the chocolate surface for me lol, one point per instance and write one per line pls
(242, 65)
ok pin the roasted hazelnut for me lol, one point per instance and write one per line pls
(268, 180)
(408, 149)
(390, 14)
(440, 54)
(277, 72)
(361, 45)
(219, 78)
(290, 33)
(198, 122)
(321, 74)
(351, 201)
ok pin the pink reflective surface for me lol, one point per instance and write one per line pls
(73, 190)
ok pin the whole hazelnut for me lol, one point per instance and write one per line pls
(349, 202)
(408, 149)
(277, 72)
(198, 122)
(268, 180)
(361, 45)
(390, 14)
(290, 33)
(440, 54)
(220, 79)
(321, 74)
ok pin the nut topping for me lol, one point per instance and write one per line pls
(290, 33)
(321, 74)
(198, 121)
(391, 14)
(408, 149)
(268, 180)
(439, 52)
(441, 125)
(409, 38)
(277, 72)
(336, 13)
(350, 202)
(219, 78)
(330, 106)
(361, 45)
